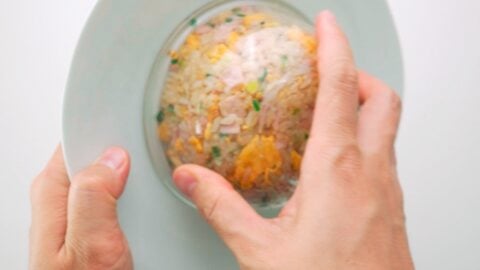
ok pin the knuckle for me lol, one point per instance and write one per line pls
(91, 179)
(371, 208)
(37, 185)
(394, 101)
(210, 209)
(101, 253)
(346, 160)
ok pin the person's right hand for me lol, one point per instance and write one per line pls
(347, 211)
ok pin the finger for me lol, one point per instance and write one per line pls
(49, 194)
(379, 115)
(336, 107)
(221, 206)
(92, 215)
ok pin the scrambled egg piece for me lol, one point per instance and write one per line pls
(251, 19)
(252, 87)
(296, 160)
(163, 132)
(195, 142)
(307, 41)
(193, 41)
(259, 157)
(173, 54)
(208, 132)
(232, 39)
(179, 147)
(217, 52)
(182, 111)
(213, 112)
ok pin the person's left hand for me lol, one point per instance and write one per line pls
(74, 224)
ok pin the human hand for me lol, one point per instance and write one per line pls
(74, 224)
(347, 211)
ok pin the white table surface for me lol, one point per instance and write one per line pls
(439, 144)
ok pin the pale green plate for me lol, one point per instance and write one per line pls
(104, 106)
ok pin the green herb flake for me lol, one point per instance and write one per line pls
(160, 116)
(306, 136)
(238, 11)
(193, 22)
(265, 199)
(174, 61)
(228, 20)
(264, 76)
(208, 75)
(296, 111)
(256, 105)
(216, 152)
(171, 108)
(170, 163)
(284, 60)
(181, 63)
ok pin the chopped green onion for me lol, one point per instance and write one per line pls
(256, 105)
(193, 22)
(265, 199)
(170, 163)
(160, 116)
(284, 59)
(264, 75)
(171, 108)
(181, 63)
(238, 11)
(216, 152)
(228, 20)
(174, 61)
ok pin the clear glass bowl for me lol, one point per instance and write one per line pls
(238, 95)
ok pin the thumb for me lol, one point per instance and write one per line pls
(92, 216)
(222, 207)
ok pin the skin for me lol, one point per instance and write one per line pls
(347, 212)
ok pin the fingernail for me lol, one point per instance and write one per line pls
(185, 181)
(328, 17)
(114, 158)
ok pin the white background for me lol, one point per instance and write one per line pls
(439, 144)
